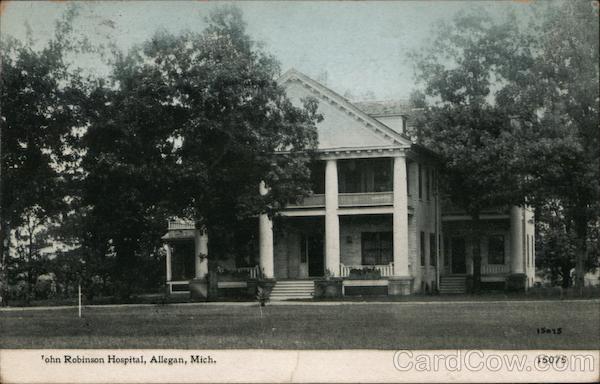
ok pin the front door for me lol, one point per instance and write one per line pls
(458, 255)
(314, 248)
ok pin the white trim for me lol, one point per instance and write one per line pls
(299, 212)
(362, 152)
(381, 210)
(371, 210)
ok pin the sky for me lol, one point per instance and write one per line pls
(357, 48)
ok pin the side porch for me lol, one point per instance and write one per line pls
(507, 249)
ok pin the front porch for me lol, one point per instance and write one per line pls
(365, 247)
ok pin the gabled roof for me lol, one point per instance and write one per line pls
(393, 137)
(384, 107)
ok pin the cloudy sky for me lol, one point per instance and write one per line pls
(358, 47)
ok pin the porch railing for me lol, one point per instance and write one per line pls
(349, 200)
(386, 270)
(180, 224)
(252, 271)
(365, 199)
(492, 269)
(317, 200)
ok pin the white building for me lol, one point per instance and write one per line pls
(376, 205)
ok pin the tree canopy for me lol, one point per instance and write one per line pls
(514, 109)
(40, 108)
(555, 97)
(189, 126)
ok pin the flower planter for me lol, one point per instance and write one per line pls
(228, 277)
(364, 274)
(251, 288)
(399, 286)
(516, 282)
(328, 288)
(267, 284)
(365, 287)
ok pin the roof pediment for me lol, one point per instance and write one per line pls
(343, 125)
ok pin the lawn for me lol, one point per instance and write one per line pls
(436, 325)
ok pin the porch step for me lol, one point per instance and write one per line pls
(453, 284)
(293, 289)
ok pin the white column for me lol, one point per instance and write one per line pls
(332, 221)
(516, 240)
(168, 261)
(400, 220)
(265, 239)
(201, 246)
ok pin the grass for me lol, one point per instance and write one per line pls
(103, 300)
(495, 325)
(546, 293)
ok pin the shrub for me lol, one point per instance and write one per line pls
(45, 287)
(18, 291)
(263, 295)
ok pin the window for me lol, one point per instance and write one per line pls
(317, 177)
(428, 183)
(182, 260)
(432, 250)
(377, 248)
(382, 175)
(496, 249)
(422, 248)
(420, 180)
(365, 175)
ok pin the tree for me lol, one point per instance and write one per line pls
(469, 132)
(30, 240)
(126, 170)
(554, 94)
(534, 82)
(234, 120)
(556, 249)
(189, 126)
(39, 96)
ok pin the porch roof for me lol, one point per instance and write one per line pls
(178, 234)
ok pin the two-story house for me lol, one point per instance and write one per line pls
(376, 206)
